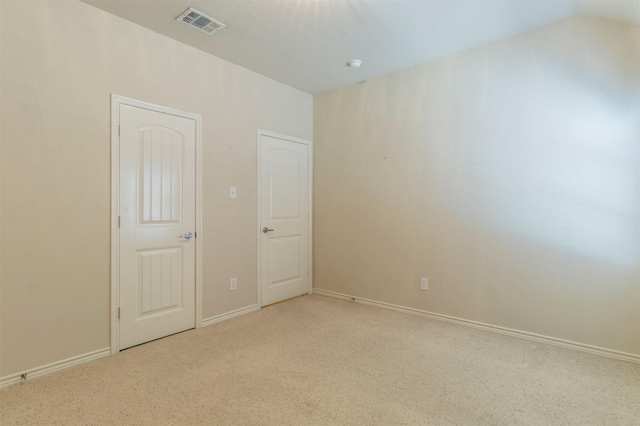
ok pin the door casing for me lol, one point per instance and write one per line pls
(259, 230)
(116, 101)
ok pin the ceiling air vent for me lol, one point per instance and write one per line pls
(200, 21)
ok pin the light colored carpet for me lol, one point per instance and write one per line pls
(320, 361)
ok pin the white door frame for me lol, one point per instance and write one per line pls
(116, 101)
(259, 231)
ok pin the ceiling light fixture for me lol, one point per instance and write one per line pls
(354, 63)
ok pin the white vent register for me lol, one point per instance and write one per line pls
(200, 21)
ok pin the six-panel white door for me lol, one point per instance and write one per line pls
(157, 214)
(284, 219)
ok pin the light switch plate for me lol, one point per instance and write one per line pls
(233, 193)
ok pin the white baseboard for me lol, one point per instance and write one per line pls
(228, 315)
(80, 359)
(53, 367)
(624, 356)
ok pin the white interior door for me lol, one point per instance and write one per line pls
(285, 229)
(157, 224)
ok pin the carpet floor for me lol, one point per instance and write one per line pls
(320, 361)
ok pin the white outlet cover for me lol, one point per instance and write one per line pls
(424, 284)
(233, 284)
(233, 192)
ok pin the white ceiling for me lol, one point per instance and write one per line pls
(306, 43)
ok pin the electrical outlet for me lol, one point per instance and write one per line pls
(233, 192)
(424, 283)
(233, 284)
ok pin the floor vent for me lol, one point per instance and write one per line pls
(200, 21)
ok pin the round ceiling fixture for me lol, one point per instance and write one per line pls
(354, 63)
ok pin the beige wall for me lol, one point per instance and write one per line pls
(60, 63)
(509, 175)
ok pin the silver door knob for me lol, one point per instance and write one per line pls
(186, 235)
(265, 230)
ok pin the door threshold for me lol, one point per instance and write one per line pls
(155, 340)
(286, 300)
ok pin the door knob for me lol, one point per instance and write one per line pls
(186, 235)
(265, 230)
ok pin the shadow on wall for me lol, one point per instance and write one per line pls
(556, 162)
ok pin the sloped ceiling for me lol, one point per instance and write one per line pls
(306, 43)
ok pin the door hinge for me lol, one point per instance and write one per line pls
(195, 235)
(118, 312)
